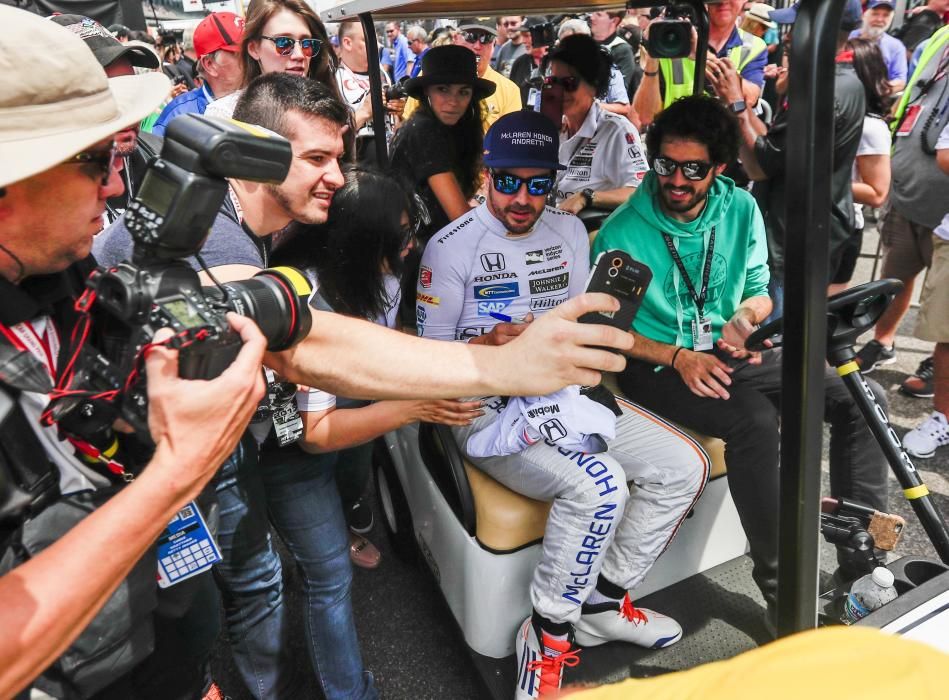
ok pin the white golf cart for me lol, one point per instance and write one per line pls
(482, 541)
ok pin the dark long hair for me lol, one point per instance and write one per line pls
(259, 12)
(467, 139)
(871, 69)
(362, 236)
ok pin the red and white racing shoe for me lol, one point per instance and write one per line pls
(540, 665)
(622, 622)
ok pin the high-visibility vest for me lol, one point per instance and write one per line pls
(935, 46)
(678, 73)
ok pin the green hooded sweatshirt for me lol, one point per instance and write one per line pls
(739, 264)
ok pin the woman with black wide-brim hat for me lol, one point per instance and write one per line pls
(439, 147)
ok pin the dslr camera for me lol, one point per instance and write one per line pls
(671, 35)
(127, 304)
(396, 91)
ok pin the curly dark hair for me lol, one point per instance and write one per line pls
(697, 118)
(591, 62)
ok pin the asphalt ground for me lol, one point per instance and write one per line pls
(409, 639)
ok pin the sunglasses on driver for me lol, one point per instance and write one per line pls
(537, 186)
(284, 45)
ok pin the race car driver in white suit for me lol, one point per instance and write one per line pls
(514, 258)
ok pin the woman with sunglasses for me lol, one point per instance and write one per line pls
(603, 152)
(281, 36)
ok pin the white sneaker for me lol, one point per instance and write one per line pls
(923, 440)
(540, 672)
(621, 622)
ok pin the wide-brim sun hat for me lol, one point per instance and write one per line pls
(64, 103)
(761, 13)
(449, 65)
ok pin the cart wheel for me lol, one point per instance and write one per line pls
(395, 508)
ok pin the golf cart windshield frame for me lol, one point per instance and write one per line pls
(808, 180)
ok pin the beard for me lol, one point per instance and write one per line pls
(125, 142)
(504, 214)
(874, 33)
(296, 213)
(684, 205)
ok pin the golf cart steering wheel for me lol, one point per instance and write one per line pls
(849, 314)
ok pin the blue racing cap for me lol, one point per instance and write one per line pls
(524, 139)
(851, 19)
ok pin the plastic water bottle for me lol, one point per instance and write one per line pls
(869, 593)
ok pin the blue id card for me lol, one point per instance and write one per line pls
(186, 547)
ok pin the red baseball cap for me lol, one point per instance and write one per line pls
(219, 31)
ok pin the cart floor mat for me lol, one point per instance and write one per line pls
(721, 612)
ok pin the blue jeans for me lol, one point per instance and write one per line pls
(298, 492)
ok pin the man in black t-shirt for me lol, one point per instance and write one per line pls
(922, 24)
(763, 157)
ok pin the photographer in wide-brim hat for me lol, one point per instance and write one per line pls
(439, 147)
(58, 165)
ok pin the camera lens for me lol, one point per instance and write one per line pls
(617, 262)
(277, 300)
(612, 272)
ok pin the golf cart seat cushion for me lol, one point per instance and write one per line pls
(506, 520)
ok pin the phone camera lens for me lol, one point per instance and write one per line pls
(613, 272)
(617, 262)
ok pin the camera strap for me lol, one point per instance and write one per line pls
(41, 339)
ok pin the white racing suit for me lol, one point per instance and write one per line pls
(597, 523)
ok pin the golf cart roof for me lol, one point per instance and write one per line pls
(405, 9)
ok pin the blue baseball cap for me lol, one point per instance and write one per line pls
(524, 139)
(851, 19)
(879, 3)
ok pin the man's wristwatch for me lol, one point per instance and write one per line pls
(738, 107)
(588, 196)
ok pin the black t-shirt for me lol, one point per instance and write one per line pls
(918, 28)
(849, 110)
(521, 71)
(421, 148)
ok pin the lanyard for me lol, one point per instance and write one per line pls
(699, 298)
(42, 344)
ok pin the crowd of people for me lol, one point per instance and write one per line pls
(470, 234)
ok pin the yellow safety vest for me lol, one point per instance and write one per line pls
(678, 73)
(936, 42)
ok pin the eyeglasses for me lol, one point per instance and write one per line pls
(105, 159)
(691, 169)
(570, 83)
(537, 186)
(477, 37)
(284, 45)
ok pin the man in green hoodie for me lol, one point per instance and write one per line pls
(704, 240)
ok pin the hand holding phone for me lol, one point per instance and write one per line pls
(617, 274)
